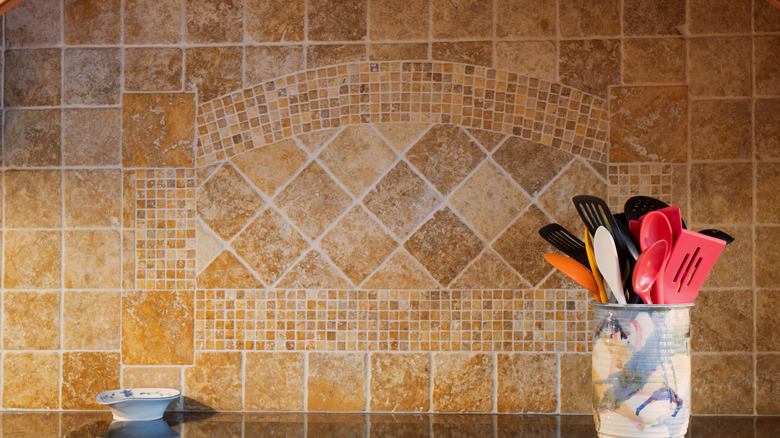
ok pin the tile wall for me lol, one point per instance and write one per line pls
(262, 202)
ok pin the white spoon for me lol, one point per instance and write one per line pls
(608, 262)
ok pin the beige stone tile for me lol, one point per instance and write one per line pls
(92, 22)
(767, 179)
(462, 382)
(525, 258)
(341, 20)
(269, 168)
(357, 157)
(767, 319)
(32, 77)
(709, 76)
(766, 243)
(320, 55)
(212, 71)
(39, 269)
(467, 19)
(526, 383)
(399, 382)
(151, 377)
(226, 202)
(401, 136)
(767, 128)
(34, 23)
(313, 272)
(90, 137)
(398, 51)
(91, 259)
(768, 384)
(90, 320)
(152, 21)
(336, 382)
(92, 76)
(488, 139)
(576, 383)
(31, 320)
(274, 381)
(531, 164)
(718, 320)
(718, 16)
(716, 202)
(128, 259)
(273, 21)
(767, 57)
(765, 17)
(466, 52)
(653, 17)
(525, 18)
(720, 129)
(157, 328)
(213, 21)
(92, 198)
(128, 198)
(722, 384)
(590, 65)
(387, 24)
(269, 62)
(400, 271)
(32, 138)
(315, 140)
(578, 179)
(583, 18)
(226, 271)
(153, 69)
(648, 123)
(734, 267)
(214, 382)
(207, 246)
(489, 271)
(84, 374)
(654, 61)
(32, 424)
(157, 130)
(533, 58)
(31, 380)
(32, 198)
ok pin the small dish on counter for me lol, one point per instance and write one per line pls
(137, 404)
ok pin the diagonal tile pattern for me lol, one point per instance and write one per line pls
(226, 202)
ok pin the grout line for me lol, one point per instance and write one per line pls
(754, 205)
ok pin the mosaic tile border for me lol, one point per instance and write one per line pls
(627, 180)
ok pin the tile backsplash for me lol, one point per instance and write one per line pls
(319, 205)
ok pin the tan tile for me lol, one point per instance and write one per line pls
(531, 164)
(709, 76)
(32, 77)
(767, 179)
(399, 382)
(31, 380)
(578, 179)
(157, 130)
(767, 128)
(576, 383)
(357, 244)
(444, 245)
(718, 319)
(213, 21)
(320, 55)
(466, 52)
(653, 17)
(401, 136)
(766, 242)
(271, 167)
(207, 246)
(654, 61)
(212, 71)
(269, 245)
(84, 374)
(92, 198)
(32, 198)
(226, 202)
(718, 16)
(767, 319)
(387, 24)
(488, 139)
(269, 62)
(32, 425)
(273, 382)
(722, 384)
(214, 382)
(489, 271)
(720, 203)
(768, 384)
(720, 129)
(34, 23)
(357, 157)
(526, 383)
(312, 200)
(583, 18)
(272, 21)
(153, 21)
(31, 320)
(128, 259)
(91, 259)
(734, 267)
(398, 51)
(533, 58)
(765, 17)
(92, 22)
(226, 271)
(648, 123)
(526, 18)
(767, 58)
(467, 19)
(39, 269)
(313, 272)
(400, 271)
(525, 258)
(445, 155)
(92, 76)
(315, 140)
(153, 69)
(151, 377)
(462, 382)
(590, 65)
(32, 138)
(157, 328)
(340, 20)
(336, 382)
(128, 198)
(90, 137)
(90, 320)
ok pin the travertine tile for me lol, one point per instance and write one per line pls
(767, 128)
(214, 382)
(129, 193)
(766, 242)
(31, 320)
(153, 69)
(226, 202)
(462, 382)
(719, 318)
(32, 425)
(399, 382)
(526, 383)
(84, 374)
(583, 18)
(336, 382)
(720, 203)
(212, 71)
(90, 137)
(720, 129)
(734, 267)
(315, 140)
(767, 319)
(92, 76)
(340, 20)
(92, 22)
(767, 179)
(39, 269)
(466, 19)
(271, 167)
(90, 320)
(157, 328)
(32, 198)
(525, 257)
(153, 21)
(157, 130)
(386, 23)
(32, 77)
(31, 380)
(269, 62)
(400, 271)
(128, 259)
(207, 246)
(654, 61)
(151, 377)
(34, 23)
(578, 179)
(527, 18)
(531, 164)
(272, 21)
(534, 58)
(320, 55)
(213, 21)
(401, 136)
(32, 138)
(92, 198)
(718, 16)
(466, 52)
(722, 384)
(767, 57)
(489, 271)
(274, 382)
(226, 271)
(488, 139)
(768, 384)
(575, 383)
(653, 17)
(590, 65)
(765, 17)
(709, 76)
(445, 155)
(357, 157)
(91, 259)
(398, 51)
(313, 272)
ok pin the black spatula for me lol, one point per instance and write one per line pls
(638, 206)
(565, 242)
(718, 234)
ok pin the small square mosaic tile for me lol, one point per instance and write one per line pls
(648, 179)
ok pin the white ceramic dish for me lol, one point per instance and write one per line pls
(136, 429)
(137, 404)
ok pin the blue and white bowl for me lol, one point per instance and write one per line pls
(138, 404)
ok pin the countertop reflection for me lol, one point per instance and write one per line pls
(230, 425)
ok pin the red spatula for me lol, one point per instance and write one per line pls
(691, 259)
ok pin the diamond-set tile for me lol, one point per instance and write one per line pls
(531, 164)
(270, 167)
(313, 271)
(520, 245)
(577, 179)
(226, 202)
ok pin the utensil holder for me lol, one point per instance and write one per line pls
(641, 370)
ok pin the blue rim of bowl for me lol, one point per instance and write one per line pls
(115, 396)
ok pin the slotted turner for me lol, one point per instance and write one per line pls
(638, 206)
(565, 242)
(691, 259)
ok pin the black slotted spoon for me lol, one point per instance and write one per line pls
(638, 206)
(563, 240)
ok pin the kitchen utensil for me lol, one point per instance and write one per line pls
(594, 268)
(691, 259)
(637, 206)
(565, 241)
(675, 219)
(575, 271)
(608, 262)
(648, 267)
(654, 227)
(718, 234)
